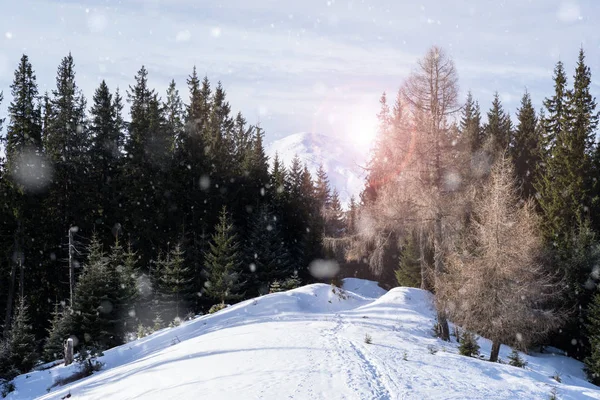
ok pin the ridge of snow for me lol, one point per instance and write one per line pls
(308, 343)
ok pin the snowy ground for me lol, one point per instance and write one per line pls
(308, 343)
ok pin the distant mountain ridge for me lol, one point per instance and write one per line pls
(342, 161)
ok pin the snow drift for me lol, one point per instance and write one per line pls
(308, 343)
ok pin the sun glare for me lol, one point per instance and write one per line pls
(362, 130)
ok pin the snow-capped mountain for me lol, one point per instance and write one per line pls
(314, 342)
(342, 161)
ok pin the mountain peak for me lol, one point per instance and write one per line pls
(343, 162)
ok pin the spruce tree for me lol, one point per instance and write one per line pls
(468, 345)
(267, 256)
(60, 329)
(556, 118)
(222, 265)
(526, 147)
(174, 115)
(592, 361)
(470, 125)
(24, 131)
(498, 129)
(122, 273)
(352, 216)
(322, 189)
(335, 221)
(565, 189)
(21, 341)
(105, 154)
(409, 266)
(95, 317)
(175, 284)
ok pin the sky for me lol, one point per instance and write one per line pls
(310, 65)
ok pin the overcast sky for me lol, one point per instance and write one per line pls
(310, 65)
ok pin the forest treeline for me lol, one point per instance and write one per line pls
(112, 227)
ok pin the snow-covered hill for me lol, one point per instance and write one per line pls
(308, 343)
(342, 160)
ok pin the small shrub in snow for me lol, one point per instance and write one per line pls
(292, 282)
(175, 323)
(553, 394)
(158, 323)
(368, 339)
(341, 293)
(87, 366)
(142, 331)
(516, 360)
(216, 307)
(6, 387)
(557, 377)
(468, 345)
(432, 349)
(189, 316)
(405, 356)
(275, 287)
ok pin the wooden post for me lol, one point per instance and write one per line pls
(69, 352)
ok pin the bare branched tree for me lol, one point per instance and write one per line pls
(496, 283)
(422, 178)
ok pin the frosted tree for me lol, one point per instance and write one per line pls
(497, 283)
(419, 186)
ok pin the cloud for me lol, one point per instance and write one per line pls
(183, 36)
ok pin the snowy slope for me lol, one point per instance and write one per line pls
(308, 343)
(342, 161)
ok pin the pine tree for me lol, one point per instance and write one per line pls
(409, 267)
(334, 218)
(592, 361)
(106, 137)
(565, 189)
(278, 181)
(105, 154)
(352, 216)
(174, 115)
(139, 96)
(526, 147)
(470, 125)
(498, 129)
(515, 359)
(468, 345)
(222, 263)
(66, 144)
(59, 331)
(267, 256)
(95, 317)
(556, 106)
(24, 131)
(175, 283)
(322, 189)
(122, 272)
(21, 341)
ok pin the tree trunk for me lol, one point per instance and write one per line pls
(422, 261)
(443, 329)
(495, 351)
